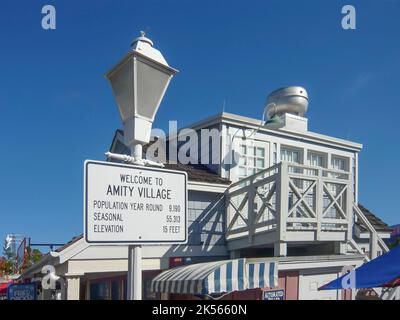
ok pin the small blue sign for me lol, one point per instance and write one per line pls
(274, 295)
(25, 291)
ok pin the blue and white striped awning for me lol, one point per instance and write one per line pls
(217, 277)
(262, 275)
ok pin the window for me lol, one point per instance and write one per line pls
(252, 160)
(106, 289)
(339, 163)
(316, 159)
(99, 291)
(290, 155)
(116, 290)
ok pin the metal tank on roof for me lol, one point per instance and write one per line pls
(292, 100)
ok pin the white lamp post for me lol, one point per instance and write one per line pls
(139, 82)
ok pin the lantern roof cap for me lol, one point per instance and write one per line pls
(144, 46)
(142, 38)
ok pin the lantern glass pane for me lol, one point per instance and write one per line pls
(151, 86)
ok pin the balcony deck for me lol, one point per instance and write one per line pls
(290, 203)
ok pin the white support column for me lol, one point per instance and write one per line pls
(280, 249)
(349, 208)
(134, 273)
(250, 217)
(355, 178)
(282, 195)
(373, 245)
(282, 204)
(224, 149)
(319, 203)
(340, 247)
(73, 286)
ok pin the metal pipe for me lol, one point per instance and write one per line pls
(132, 160)
(134, 273)
(134, 287)
(137, 152)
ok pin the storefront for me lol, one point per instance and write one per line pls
(298, 278)
(99, 273)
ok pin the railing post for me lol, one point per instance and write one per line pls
(350, 202)
(250, 216)
(319, 202)
(373, 245)
(228, 214)
(282, 201)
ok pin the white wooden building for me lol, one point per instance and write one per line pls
(292, 198)
(313, 175)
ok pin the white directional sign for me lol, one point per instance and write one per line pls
(131, 204)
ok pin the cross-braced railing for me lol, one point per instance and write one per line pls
(318, 199)
(290, 198)
(251, 203)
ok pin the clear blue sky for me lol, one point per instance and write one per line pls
(57, 109)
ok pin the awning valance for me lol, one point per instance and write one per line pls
(216, 277)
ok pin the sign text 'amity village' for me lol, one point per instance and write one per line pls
(127, 202)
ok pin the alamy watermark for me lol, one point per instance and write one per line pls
(349, 277)
(50, 279)
(349, 18)
(188, 146)
(49, 18)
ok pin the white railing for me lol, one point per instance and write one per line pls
(242, 201)
(290, 198)
(293, 198)
(377, 245)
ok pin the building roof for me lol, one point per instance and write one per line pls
(376, 222)
(235, 119)
(196, 172)
(49, 258)
(69, 243)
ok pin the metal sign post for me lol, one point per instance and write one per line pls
(134, 276)
(134, 273)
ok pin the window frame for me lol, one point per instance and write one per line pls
(251, 167)
(292, 149)
(318, 153)
(346, 162)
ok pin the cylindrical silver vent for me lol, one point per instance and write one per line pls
(292, 100)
